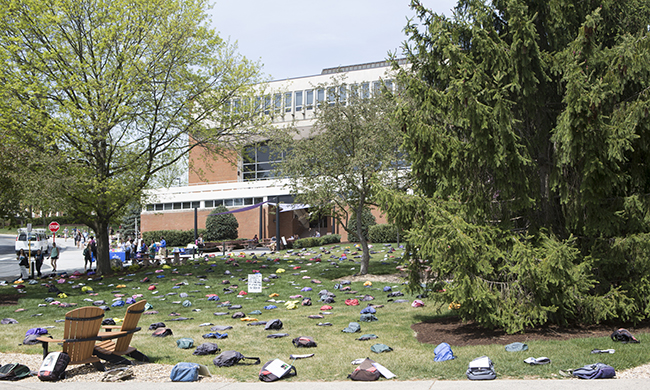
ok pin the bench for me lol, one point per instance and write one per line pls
(177, 259)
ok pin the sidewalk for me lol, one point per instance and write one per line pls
(560, 384)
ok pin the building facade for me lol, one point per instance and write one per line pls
(244, 184)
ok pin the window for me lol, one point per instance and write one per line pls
(277, 103)
(309, 99)
(320, 97)
(343, 94)
(187, 205)
(354, 91)
(287, 102)
(258, 105)
(376, 88)
(298, 101)
(196, 205)
(150, 207)
(158, 206)
(331, 96)
(389, 85)
(267, 104)
(177, 206)
(209, 204)
(168, 206)
(365, 90)
(258, 161)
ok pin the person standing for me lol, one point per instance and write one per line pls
(93, 248)
(23, 262)
(152, 252)
(88, 258)
(38, 259)
(54, 256)
(163, 247)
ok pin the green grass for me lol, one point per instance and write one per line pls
(409, 360)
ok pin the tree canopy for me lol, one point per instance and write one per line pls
(352, 144)
(114, 92)
(526, 124)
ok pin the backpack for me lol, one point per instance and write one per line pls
(365, 372)
(53, 366)
(353, 327)
(206, 349)
(162, 332)
(368, 317)
(481, 368)
(275, 324)
(594, 371)
(276, 369)
(230, 358)
(379, 348)
(624, 336)
(304, 342)
(443, 352)
(184, 372)
(185, 343)
(14, 371)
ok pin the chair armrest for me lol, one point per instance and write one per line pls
(49, 340)
(111, 327)
(111, 335)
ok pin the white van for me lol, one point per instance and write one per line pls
(36, 239)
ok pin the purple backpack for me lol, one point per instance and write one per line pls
(595, 371)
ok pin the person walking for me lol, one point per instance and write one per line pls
(38, 259)
(23, 262)
(88, 258)
(54, 256)
(163, 247)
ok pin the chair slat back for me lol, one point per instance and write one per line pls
(81, 323)
(131, 319)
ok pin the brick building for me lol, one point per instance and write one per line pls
(246, 185)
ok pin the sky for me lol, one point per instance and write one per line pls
(294, 38)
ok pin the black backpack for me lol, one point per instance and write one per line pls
(53, 366)
(162, 332)
(275, 324)
(304, 342)
(624, 336)
(278, 366)
(14, 371)
(230, 358)
(365, 372)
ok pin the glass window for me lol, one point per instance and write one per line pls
(238, 202)
(228, 202)
(159, 206)
(168, 206)
(320, 97)
(218, 202)
(235, 106)
(331, 96)
(287, 102)
(389, 85)
(177, 206)
(248, 201)
(209, 203)
(258, 105)
(376, 88)
(365, 90)
(258, 200)
(277, 103)
(343, 94)
(298, 101)
(309, 99)
(187, 205)
(196, 205)
(149, 207)
(267, 104)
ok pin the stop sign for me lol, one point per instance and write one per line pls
(54, 226)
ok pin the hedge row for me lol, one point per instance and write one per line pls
(317, 241)
(173, 237)
(383, 233)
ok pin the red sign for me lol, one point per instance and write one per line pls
(54, 226)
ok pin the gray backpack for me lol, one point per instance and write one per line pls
(481, 368)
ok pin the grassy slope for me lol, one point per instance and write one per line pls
(409, 360)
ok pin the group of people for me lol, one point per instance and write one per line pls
(39, 257)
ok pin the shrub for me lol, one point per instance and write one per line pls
(385, 232)
(367, 220)
(309, 242)
(221, 227)
(173, 237)
(330, 239)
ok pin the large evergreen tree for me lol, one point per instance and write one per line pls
(527, 125)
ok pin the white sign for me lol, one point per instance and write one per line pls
(254, 283)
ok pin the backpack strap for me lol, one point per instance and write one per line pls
(255, 360)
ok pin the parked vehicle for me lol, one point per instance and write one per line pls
(36, 239)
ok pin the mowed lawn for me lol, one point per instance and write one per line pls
(318, 269)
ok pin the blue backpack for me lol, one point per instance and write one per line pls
(185, 372)
(443, 352)
(594, 371)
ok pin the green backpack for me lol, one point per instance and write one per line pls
(14, 371)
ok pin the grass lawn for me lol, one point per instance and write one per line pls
(409, 359)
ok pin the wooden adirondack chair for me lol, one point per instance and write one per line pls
(118, 342)
(79, 336)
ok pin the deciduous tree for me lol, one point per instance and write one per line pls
(118, 88)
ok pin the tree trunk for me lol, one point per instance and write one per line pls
(365, 259)
(103, 248)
